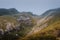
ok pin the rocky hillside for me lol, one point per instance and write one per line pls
(48, 27)
(15, 24)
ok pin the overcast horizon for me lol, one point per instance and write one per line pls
(36, 6)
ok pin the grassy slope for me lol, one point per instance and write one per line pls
(52, 29)
(5, 19)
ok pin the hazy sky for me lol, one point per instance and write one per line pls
(35, 6)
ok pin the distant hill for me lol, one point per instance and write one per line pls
(10, 11)
(51, 12)
(15, 13)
